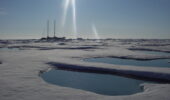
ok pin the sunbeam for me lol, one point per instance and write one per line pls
(71, 3)
(74, 18)
(96, 34)
(66, 5)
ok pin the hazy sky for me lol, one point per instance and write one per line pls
(112, 18)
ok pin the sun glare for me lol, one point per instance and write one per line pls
(71, 3)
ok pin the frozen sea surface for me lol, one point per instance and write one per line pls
(19, 69)
(143, 63)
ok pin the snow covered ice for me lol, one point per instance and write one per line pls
(20, 68)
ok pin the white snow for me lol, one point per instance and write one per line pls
(19, 69)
